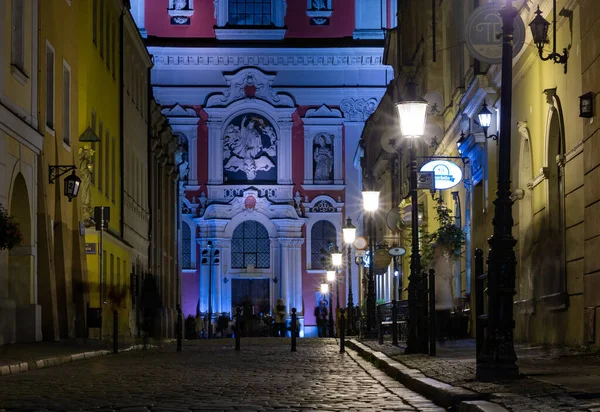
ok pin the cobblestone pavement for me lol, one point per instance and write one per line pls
(524, 394)
(210, 376)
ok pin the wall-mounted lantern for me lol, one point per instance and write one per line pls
(539, 29)
(72, 182)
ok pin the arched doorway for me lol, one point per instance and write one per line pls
(251, 251)
(20, 260)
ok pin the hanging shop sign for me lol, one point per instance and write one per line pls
(483, 34)
(446, 174)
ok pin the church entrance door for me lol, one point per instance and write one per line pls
(253, 296)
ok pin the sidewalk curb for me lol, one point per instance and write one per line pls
(59, 360)
(441, 393)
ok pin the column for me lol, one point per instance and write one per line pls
(284, 153)
(277, 272)
(222, 291)
(286, 270)
(215, 153)
(338, 163)
(308, 157)
(370, 18)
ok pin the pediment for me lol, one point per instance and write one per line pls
(323, 112)
(250, 83)
(179, 111)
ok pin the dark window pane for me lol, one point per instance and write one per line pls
(250, 246)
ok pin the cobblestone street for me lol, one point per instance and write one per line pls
(209, 375)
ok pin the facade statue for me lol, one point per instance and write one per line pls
(323, 156)
(180, 4)
(318, 4)
(86, 156)
(243, 148)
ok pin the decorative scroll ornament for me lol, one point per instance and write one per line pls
(323, 206)
(243, 148)
(358, 110)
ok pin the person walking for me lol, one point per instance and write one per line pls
(321, 317)
(280, 318)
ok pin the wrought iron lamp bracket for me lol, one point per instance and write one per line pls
(54, 172)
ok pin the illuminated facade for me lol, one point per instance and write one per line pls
(554, 160)
(271, 130)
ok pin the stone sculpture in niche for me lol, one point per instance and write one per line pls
(250, 146)
(323, 157)
(319, 4)
(180, 4)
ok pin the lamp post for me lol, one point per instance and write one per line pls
(349, 232)
(331, 279)
(497, 358)
(211, 253)
(412, 115)
(371, 204)
(336, 261)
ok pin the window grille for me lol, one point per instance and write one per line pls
(250, 246)
(321, 235)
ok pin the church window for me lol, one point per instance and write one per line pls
(322, 234)
(250, 12)
(186, 247)
(250, 246)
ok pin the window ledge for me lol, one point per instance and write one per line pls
(181, 13)
(319, 13)
(316, 271)
(323, 187)
(250, 34)
(50, 130)
(66, 146)
(18, 74)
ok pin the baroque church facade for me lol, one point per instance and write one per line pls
(269, 100)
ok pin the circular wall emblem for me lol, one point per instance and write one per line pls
(360, 243)
(250, 202)
(446, 174)
(482, 30)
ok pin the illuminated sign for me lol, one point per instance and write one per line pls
(447, 174)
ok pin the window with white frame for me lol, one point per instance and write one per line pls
(250, 12)
(49, 86)
(250, 19)
(66, 106)
(18, 33)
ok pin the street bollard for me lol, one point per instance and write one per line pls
(179, 328)
(342, 331)
(394, 323)
(293, 329)
(432, 328)
(238, 312)
(115, 331)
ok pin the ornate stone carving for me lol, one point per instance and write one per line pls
(244, 149)
(323, 157)
(323, 206)
(358, 110)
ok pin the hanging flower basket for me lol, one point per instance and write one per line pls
(10, 232)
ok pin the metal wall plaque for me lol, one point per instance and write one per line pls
(482, 32)
(90, 248)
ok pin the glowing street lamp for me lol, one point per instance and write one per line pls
(330, 275)
(349, 234)
(370, 201)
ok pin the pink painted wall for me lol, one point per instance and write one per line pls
(341, 23)
(158, 21)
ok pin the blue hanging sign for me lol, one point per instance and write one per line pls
(446, 173)
(483, 34)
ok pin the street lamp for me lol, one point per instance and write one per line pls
(371, 204)
(497, 358)
(330, 279)
(210, 261)
(485, 121)
(412, 114)
(72, 182)
(336, 261)
(539, 29)
(349, 232)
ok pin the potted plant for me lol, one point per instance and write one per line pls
(448, 237)
(10, 232)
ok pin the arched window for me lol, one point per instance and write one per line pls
(186, 246)
(321, 235)
(250, 246)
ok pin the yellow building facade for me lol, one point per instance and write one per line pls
(99, 62)
(62, 268)
(20, 148)
(553, 160)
